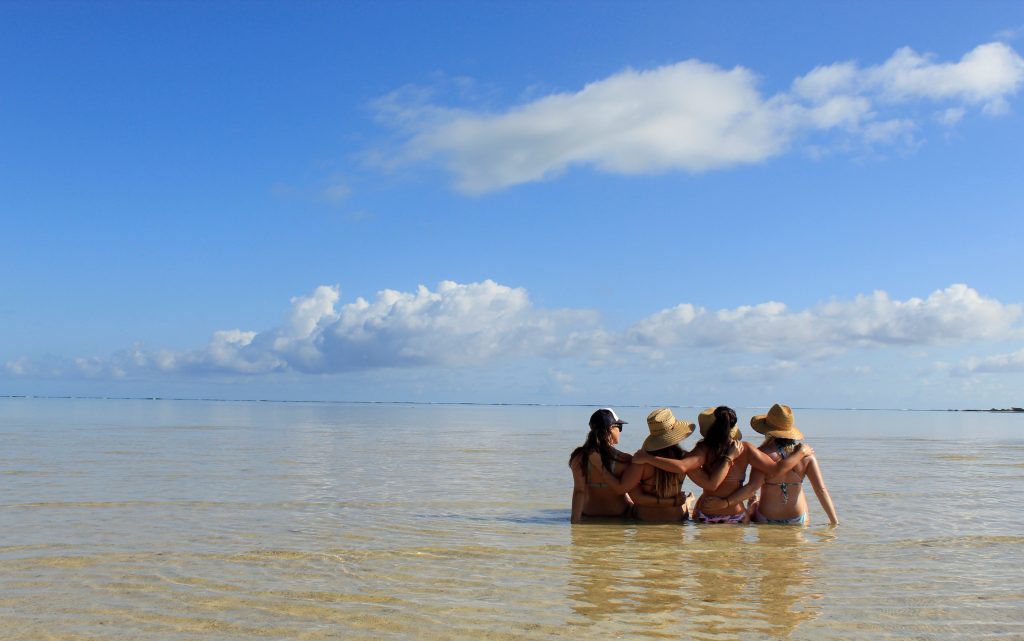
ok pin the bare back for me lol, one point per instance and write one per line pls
(782, 496)
(734, 479)
(600, 499)
(659, 512)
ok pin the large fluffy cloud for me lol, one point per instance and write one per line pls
(957, 313)
(695, 116)
(455, 325)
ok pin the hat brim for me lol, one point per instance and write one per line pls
(707, 418)
(762, 426)
(669, 437)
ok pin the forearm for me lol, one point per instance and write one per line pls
(578, 497)
(642, 498)
(671, 465)
(745, 492)
(771, 468)
(652, 500)
(719, 471)
(624, 485)
(825, 499)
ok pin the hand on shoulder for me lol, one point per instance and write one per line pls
(735, 449)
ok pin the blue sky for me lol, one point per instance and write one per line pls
(812, 203)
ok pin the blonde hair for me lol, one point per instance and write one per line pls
(667, 483)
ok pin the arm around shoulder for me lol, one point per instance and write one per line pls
(761, 461)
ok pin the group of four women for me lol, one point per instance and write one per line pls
(648, 484)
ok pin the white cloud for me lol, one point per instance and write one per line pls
(489, 324)
(690, 115)
(889, 131)
(1010, 34)
(336, 192)
(456, 325)
(985, 74)
(564, 380)
(957, 313)
(998, 364)
(693, 116)
(951, 116)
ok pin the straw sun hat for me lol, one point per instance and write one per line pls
(707, 418)
(665, 430)
(777, 423)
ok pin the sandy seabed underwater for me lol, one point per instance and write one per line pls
(173, 520)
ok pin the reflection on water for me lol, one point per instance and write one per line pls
(708, 581)
(598, 571)
(176, 520)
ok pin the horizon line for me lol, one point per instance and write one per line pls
(1010, 410)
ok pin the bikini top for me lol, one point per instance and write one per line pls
(591, 474)
(649, 487)
(785, 485)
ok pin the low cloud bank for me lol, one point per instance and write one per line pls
(486, 323)
(955, 314)
(1012, 363)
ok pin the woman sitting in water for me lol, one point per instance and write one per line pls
(671, 503)
(782, 499)
(597, 467)
(722, 444)
(604, 482)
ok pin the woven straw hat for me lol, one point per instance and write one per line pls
(707, 418)
(778, 423)
(665, 430)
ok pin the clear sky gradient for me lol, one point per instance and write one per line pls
(811, 203)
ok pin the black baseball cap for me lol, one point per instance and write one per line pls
(605, 418)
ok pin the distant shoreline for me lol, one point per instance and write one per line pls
(994, 410)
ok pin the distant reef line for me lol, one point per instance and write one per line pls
(996, 410)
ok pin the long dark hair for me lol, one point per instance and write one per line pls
(719, 435)
(667, 483)
(597, 441)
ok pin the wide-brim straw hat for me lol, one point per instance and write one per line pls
(707, 418)
(665, 429)
(777, 423)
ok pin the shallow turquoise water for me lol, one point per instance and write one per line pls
(179, 519)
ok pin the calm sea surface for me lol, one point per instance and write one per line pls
(168, 520)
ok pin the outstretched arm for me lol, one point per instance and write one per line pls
(641, 497)
(818, 483)
(691, 461)
(761, 461)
